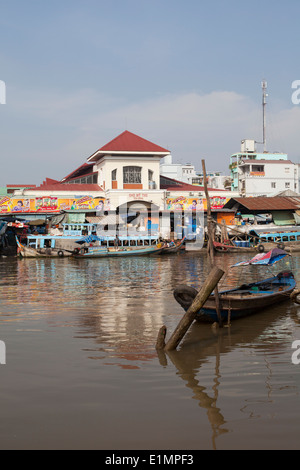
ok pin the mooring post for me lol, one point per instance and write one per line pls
(160, 343)
(209, 285)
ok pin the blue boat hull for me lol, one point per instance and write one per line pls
(103, 252)
(243, 301)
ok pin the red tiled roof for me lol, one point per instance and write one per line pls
(81, 170)
(20, 185)
(129, 142)
(49, 181)
(69, 187)
(174, 185)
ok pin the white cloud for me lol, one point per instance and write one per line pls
(55, 132)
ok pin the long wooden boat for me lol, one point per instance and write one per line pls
(261, 247)
(29, 252)
(105, 252)
(231, 248)
(262, 240)
(246, 299)
(172, 247)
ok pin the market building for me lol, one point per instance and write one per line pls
(123, 176)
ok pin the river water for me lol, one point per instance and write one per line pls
(82, 371)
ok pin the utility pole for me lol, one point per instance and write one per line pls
(264, 102)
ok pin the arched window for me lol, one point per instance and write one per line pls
(132, 175)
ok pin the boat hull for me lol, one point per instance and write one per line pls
(242, 302)
(260, 247)
(114, 253)
(166, 250)
(26, 252)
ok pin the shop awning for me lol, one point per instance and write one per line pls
(111, 219)
(297, 217)
(283, 218)
(37, 222)
(74, 218)
(93, 220)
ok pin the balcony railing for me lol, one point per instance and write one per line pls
(257, 173)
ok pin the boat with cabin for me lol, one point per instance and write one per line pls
(65, 244)
(123, 246)
(262, 240)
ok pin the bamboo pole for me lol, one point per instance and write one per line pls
(210, 231)
(200, 299)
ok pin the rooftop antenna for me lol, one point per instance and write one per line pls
(264, 102)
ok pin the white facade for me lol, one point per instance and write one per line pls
(110, 171)
(177, 171)
(267, 177)
(248, 152)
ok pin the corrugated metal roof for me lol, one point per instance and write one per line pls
(265, 203)
(111, 219)
(93, 220)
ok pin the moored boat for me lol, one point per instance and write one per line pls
(105, 252)
(230, 247)
(246, 299)
(172, 247)
(24, 251)
(262, 240)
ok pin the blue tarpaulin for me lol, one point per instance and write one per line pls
(265, 258)
(89, 239)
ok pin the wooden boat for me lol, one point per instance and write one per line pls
(172, 247)
(29, 252)
(262, 240)
(105, 252)
(246, 299)
(228, 247)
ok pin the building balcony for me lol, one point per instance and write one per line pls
(257, 173)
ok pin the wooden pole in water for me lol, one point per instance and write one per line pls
(210, 231)
(160, 343)
(210, 227)
(188, 318)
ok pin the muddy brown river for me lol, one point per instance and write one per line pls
(82, 371)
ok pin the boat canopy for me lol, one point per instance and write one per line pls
(268, 258)
(89, 239)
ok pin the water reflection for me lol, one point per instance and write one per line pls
(265, 340)
(188, 362)
(112, 310)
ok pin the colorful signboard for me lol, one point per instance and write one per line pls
(184, 203)
(50, 204)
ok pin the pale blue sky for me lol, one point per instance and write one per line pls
(183, 74)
